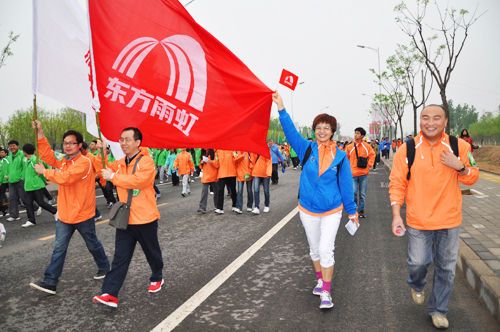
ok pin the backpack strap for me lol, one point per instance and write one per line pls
(454, 145)
(410, 156)
(307, 155)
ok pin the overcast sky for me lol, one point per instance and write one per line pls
(314, 39)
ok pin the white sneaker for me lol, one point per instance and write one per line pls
(238, 211)
(161, 182)
(13, 219)
(440, 321)
(326, 300)
(39, 211)
(266, 209)
(28, 224)
(211, 193)
(218, 211)
(256, 210)
(249, 209)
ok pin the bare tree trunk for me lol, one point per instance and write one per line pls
(414, 121)
(401, 128)
(442, 92)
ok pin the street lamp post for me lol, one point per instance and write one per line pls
(378, 61)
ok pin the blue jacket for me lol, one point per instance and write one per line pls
(323, 193)
(276, 155)
(381, 146)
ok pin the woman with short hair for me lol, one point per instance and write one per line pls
(325, 189)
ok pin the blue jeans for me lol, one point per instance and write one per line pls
(256, 191)
(239, 194)
(441, 248)
(64, 232)
(360, 184)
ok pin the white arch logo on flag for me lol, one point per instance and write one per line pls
(188, 67)
(289, 80)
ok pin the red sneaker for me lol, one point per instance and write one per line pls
(155, 286)
(106, 299)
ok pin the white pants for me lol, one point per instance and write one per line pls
(185, 184)
(321, 233)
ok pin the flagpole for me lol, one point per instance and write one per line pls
(35, 117)
(98, 122)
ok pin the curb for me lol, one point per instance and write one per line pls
(479, 276)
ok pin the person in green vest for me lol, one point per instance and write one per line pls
(197, 160)
(15, 179)
(34, 185)
(4, 181)
(160, 159)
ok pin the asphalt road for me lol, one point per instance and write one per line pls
(270, 292)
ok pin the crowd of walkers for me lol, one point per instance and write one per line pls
(333, 179)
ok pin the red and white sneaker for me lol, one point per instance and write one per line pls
(155, 286)
(106, 299)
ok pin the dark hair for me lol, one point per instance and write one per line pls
(361, 130)
(211, 154)
(94, 141)
(464, 135)
(13, 142)
(29, 148)
(78, 136)
(137, 133)
(325, 118)
(173, 151)
(4, 150)
(85, 146)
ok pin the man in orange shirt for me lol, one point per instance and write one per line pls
(75, 205)
(184, 165)
(143, 221)
(431, 189)
(361, 157)
(226, 177)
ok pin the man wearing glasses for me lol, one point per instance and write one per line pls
(76, 205)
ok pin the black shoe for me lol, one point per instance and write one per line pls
(362, 214)
(183, 195)
(100, 274)
(41, 286)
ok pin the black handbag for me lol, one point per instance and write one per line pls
(362, 162)
(120, 212)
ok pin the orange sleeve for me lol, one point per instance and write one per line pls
(397, 180)
(78, 172)
(473, 175)
(142, 178)
(191, 164)
(176, 162)
(47, 154)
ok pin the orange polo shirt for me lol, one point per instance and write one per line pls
(433, 196)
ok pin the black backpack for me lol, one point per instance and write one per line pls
(410, 152)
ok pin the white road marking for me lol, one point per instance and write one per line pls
(479, 194)
(176, 317)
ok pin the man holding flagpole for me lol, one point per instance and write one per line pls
(75, 202)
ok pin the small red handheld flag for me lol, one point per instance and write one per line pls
(289, 79)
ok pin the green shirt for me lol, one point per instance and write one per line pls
(4, 170)
(197, 156)
(16, 166)
(161, 157)
(32, 180)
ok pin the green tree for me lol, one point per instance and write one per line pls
(7, 49)
(441, 45)
(461, 116)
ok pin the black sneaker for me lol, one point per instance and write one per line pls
(362, 214)
(100, 274)
(42, 286)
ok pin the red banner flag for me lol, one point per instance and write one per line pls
(289, 79)
(158, 70)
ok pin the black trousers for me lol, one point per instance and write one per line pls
(37, 196)
(221, 184)
(274, 175)
(175, 179)
(4, 203)
(125, 241)
(107, 192)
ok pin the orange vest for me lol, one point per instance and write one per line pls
(143, 209)
(433, 196)
(76, 180)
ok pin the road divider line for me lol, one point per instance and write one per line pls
(105, 221)
(176, 317)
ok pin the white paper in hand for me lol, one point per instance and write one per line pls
(352, 227)
(205, 159)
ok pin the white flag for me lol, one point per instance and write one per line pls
(61, 57)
